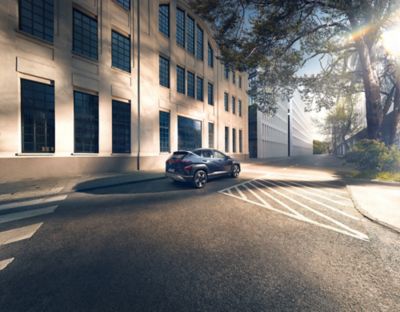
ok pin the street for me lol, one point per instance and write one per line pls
(284, 236)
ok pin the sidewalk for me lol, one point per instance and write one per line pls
(377, 201)
(36, 188)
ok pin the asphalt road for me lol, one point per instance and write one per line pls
(281, 237)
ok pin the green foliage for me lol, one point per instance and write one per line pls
(320, 147)
(372, 155)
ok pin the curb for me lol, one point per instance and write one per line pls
(366, 214)
(373, 181)
(91, 188)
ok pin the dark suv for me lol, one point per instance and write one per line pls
(199, 165)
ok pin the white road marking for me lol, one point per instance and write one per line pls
(5, 263)
(314, 200)
(18, 234)
(32, 202)
(26, 214)
(257, 196)
(355, 232)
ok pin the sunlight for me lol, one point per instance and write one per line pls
(391, 42)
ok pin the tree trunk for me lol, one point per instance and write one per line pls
(396, 114)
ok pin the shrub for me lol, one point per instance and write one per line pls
(375, 155)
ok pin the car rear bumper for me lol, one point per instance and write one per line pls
(178, 177)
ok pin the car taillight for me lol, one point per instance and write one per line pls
(187, 168)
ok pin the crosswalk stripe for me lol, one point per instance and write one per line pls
(18, 234)
(316, 201)
(26, 214)
(32, 202)
(5, 263)
(256, 195)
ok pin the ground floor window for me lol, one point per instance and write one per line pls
(227, 139)
(233, 140)
(189, 133)
(164, 131)
(37, 112)
(210, 135)
(86, 122)
(240, 141)
(121, 127)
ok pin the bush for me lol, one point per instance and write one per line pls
(375, 155)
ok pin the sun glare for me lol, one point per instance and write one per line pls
(391, 41)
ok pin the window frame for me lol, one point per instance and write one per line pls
(199, 43)
(210, 56)
(128, 39)
(165, 148)
(191, 42)
(114, 104)
(122, 4)
(189, 87)
(226, 101)
(226, 139)
(210, 93)
(168, 82)
(160, 28)
(200, 92)
(211, 134)
(182, 32)
(74, 48)
(180, 84)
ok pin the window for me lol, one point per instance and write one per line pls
(226, 139)
(233, 77)
(210, 135)
(240, 141)
(199, 45)
(121, 127)
(199, 89)
(86, 122)
(85, 39)
(240, 82)
(189, 133)
(240, 107)
(121, 51)
(233, 105)
(164, 131)
(37, 18)
(180, 27)
(180, 79)
(226, 71)
(210, 56)
(126, 4)
(210, 93)
(234, 140)
(164, 71)
(219, 155)
(37, 114)
(190, 34)
(163, 19)
(190, 84)
(226, 101)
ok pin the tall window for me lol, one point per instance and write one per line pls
(189, 133)
(210, 56)
(240, 107)
(210, 93)
(190, 84)
(126, 4)
(180, 27)
(210, 135)
(226, 102)
(240, 82)
(37, 18)
(233, 140)
(85, 39)
(121, 51)
(233, 77)
(240, 141)
(199, 89)
(86, 122)
(190, 34)
(121, 127)
(180, 79)
(226, 71)
(164, 71)
(227, 139)
(37, 112)
(163, 19)
(164, 131)
(233, 105)
(199, 45)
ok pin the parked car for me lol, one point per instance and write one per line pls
(200, 165)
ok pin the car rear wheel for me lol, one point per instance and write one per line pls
(235, 171)
(200, 179)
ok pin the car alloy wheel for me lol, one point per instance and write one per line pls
(235, 171)
(200, 179)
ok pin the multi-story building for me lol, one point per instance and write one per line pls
(103, 85)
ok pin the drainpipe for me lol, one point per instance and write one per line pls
(138, 86)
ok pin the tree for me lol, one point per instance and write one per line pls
(342, 122)
(320, 147)
(279, 37)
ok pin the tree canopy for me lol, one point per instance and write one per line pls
(277, 38)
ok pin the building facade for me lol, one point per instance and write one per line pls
(111, 85)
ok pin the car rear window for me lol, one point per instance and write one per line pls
(179, 155)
